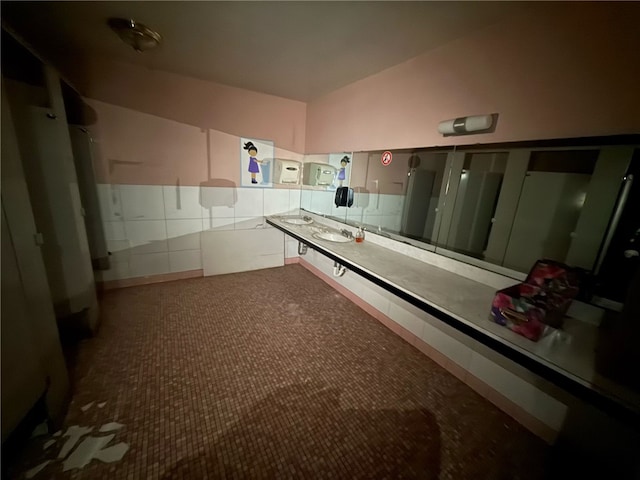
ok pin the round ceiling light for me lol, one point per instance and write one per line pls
(135, 34)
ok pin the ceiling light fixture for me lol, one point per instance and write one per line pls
(135, 34)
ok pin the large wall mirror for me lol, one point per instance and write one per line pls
(399, 198)
(322, 174)
(500, 207)
(508, 207)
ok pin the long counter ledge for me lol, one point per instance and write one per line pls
(565, 358)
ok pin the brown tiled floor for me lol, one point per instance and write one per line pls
(272, 374)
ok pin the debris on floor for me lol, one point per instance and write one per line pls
(109, 427)
(112, 454)
(40, 430)
(74, 433)
(36, 470)
(86, 452)
(79, 449)
(48, 444)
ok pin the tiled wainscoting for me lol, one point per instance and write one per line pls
(154, 232)
(510, 387)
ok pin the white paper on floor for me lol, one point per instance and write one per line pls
(88, 448)
(112, 454)
(86, 451)
(100, 405)
(48, 444)
(87, 406)
(36, 470)
(40, 430)
(109, 427)
(74, 433)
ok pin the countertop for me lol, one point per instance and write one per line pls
(565, 357)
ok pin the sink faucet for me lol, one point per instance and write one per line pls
(346, 233)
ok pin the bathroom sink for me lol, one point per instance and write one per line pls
(332, 237)
(298, 220)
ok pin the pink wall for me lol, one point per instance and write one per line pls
(569, 70)
(158, 128)
(137, 148)
(131, 147)
(194, 102)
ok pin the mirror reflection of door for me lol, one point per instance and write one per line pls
(475, 203)
(386, 186)
(424, 181)
(553, 193)
(621, 255)
(357, 181)
(512, 208)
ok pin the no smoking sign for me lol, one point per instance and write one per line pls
(386, 158)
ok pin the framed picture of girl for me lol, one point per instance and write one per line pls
(256, 162)
(342, 163)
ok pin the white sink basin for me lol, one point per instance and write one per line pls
(298, 221)
(332, 237)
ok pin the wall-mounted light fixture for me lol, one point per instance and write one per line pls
(467, 125)
(135, 34)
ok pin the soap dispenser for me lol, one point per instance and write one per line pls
(360, 235)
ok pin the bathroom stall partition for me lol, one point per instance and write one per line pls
(43, 136)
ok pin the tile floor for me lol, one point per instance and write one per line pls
(273, 374)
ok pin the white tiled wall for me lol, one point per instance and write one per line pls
(156, 229)
(149, 264)
(110, 204)
(290, 247)
(146, 236)
(181, 202)
(183, 234)
(114, 230)
(142, 202)
(185, 260)
(276, 201)
(250, 203)
(240, 251)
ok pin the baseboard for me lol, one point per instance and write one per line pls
(136, 281)
(523, 417)
(291, 260)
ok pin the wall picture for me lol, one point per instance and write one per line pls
(256, 162)
(342, 162)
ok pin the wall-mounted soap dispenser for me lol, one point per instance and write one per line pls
(318, 174)
(344, 197)
(287, 171)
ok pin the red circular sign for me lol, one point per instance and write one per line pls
(386, 158)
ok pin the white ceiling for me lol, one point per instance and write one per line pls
(297, 50)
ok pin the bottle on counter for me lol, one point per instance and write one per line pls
(360, 235)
